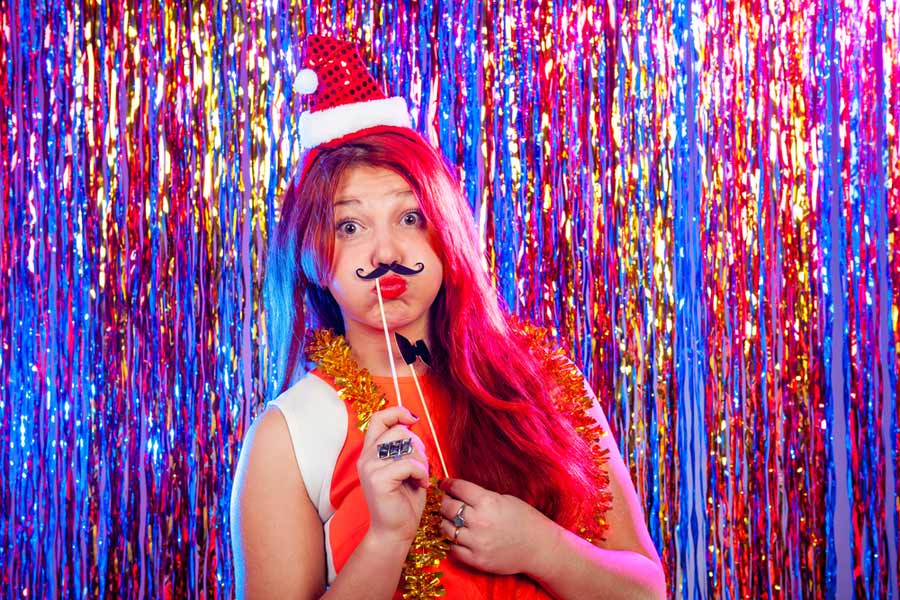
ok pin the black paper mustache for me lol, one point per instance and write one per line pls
(383, 268)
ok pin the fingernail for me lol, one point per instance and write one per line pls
(414, 416)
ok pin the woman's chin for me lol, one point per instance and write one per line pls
(400, 319)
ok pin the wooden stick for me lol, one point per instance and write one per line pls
(387, 340)
(434, 436)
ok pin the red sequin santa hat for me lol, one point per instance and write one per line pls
(347, 102)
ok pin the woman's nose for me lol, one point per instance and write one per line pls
(386, 249)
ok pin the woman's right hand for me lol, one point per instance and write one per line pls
(394, 488)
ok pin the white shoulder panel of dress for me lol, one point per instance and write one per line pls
(317, 421)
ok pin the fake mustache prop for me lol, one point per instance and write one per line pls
(383, 268)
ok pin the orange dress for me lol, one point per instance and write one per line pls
(333, 483)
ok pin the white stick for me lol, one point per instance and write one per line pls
(387, 340)
(434, 436)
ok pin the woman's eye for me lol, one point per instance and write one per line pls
(347, 228)
(413, 218)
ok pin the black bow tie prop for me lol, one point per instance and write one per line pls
(410, 351)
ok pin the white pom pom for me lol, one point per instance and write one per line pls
(307, 81)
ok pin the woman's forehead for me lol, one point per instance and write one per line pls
(363, 181)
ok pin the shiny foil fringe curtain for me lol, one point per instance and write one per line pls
(701, 198)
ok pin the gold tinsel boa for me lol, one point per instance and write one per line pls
(574, 404)
(355, 386)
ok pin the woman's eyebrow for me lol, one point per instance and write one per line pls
(354, 200)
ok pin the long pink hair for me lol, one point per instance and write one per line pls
(505, 434)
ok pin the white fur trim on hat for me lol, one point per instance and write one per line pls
(323, 126)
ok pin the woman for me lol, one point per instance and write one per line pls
(339, 490)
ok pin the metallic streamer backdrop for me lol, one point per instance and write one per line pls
(701, 198)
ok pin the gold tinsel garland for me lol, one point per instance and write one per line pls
(574, 404)
(331, 354)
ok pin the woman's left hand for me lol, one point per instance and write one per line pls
(501, 535)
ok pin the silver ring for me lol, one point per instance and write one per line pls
(395, 449)
(458, 519)
(455, 535)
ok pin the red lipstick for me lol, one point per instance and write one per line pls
(392, 286)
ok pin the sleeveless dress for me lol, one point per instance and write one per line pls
(327, 444)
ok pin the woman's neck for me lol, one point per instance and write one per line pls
(367, 346)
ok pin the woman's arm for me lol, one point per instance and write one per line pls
(625, 565)
(276, 535)
(503, 535)
(277, 538)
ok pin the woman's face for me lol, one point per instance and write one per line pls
(378, 222)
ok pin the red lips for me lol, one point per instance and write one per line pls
(392, 286)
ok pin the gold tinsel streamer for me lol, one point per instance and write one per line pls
(574, 404)
(331, 354)
(429, 547)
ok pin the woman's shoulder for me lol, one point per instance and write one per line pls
(313, 419)
(311, 388)
(313, 411)
(274, 523)
(266, 449)
(265, 459)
